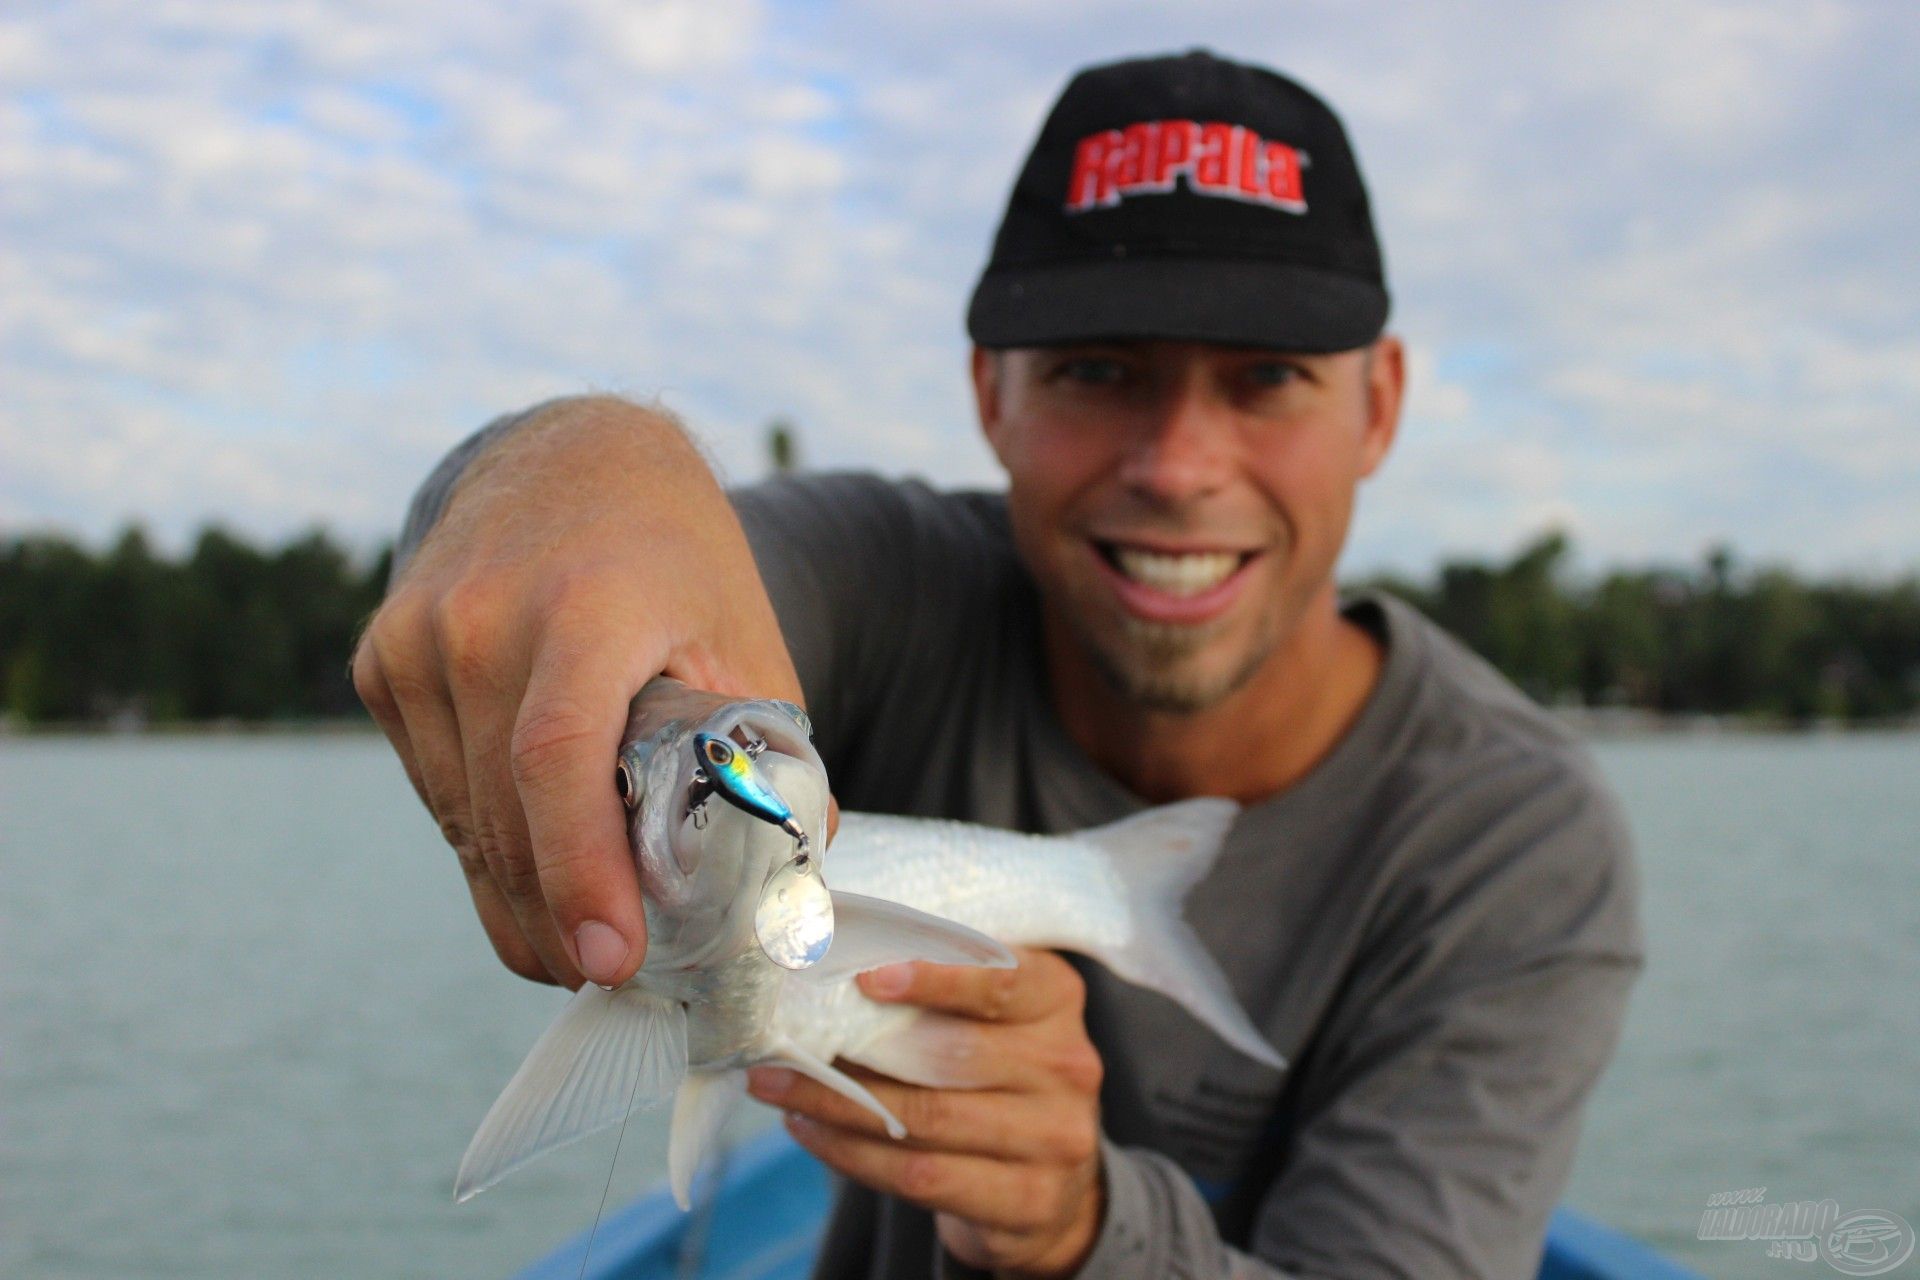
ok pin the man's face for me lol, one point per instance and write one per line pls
(1182, 505)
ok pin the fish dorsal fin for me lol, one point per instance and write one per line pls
(869, 932)
(604, 1048)
(700, 1112)
(788, 1054)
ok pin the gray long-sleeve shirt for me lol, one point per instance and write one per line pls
(1437, 926)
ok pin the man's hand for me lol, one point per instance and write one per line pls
(581, 555)
(1012, 1167)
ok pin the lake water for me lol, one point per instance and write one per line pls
(247, 1024)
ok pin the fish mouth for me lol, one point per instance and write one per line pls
(1171, 582)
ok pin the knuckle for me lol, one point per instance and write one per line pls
(1031, 1208)
(1079, 1141)
(386, 664)
(1073, 987)
(457, 830)
(573, 593)
(368, 681)
(922, 1176)
(1077, 1064)
(520, 960)
(410, 685)
(465, 626)
(398, 624)
(1028, 1217)
(517, 877)
(492, 844)
(998, 995)
(473, 864)
(928, 1111)
(545, 738)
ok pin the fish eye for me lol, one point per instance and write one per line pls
(623, 783)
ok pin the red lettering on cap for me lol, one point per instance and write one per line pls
(1134, 165)
(1283, 177)
(1216, 158)
(1177, 141)
(1249, 178)
(1213, 162)
(1092, 180)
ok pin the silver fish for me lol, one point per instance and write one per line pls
(709, 1002)
(730, 920)
(1112, 893)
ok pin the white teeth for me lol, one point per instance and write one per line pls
(1178, 575)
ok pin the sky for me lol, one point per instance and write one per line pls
(261, 264)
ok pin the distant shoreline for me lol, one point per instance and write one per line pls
(1598, 723)
(1634, 722)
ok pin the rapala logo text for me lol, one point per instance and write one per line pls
(1216, 159)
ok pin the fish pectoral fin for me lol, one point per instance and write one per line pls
(605, 1048)
(869, 932)
(700, 1112)
(786, 1053)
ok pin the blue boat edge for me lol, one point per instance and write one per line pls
(784, 1193)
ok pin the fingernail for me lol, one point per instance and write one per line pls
(769, 1083)
(888, 980)
(599, 950)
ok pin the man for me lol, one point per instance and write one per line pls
(1428, 906)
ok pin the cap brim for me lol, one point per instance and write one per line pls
(1234, 303)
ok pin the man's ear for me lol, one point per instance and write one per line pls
(1386, 388)
(986, 369)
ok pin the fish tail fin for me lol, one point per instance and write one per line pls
(1159, 856)
(605, 1048)
(700, 1112)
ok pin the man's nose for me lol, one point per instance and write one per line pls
(1182, 450)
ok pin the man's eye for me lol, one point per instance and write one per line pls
(1093, 371)
(1272, 373)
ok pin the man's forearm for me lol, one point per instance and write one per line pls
(562, 413)
(430, 499)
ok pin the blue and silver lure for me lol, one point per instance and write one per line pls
(727, 771)
(794, 921)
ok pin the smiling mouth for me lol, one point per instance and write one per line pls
(1181, 574)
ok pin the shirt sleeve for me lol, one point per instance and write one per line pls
(1436, 1116)
(883, 589)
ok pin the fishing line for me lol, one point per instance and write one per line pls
(639, 1069)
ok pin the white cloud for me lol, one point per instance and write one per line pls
(263, 263)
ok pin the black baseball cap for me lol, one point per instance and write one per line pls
(1188, 198)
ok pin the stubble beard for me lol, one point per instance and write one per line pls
(1158, 666)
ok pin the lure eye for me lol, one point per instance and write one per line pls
(719, 752)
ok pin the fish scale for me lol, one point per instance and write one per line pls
(1054, 891)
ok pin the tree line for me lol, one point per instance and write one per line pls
(226, 631)
(232, 631)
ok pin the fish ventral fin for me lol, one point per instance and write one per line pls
(700, 1112)
(786, 1053)
(1159, 856)
(604, 1048)
(870, 932)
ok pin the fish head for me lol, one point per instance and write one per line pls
(723, 795)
